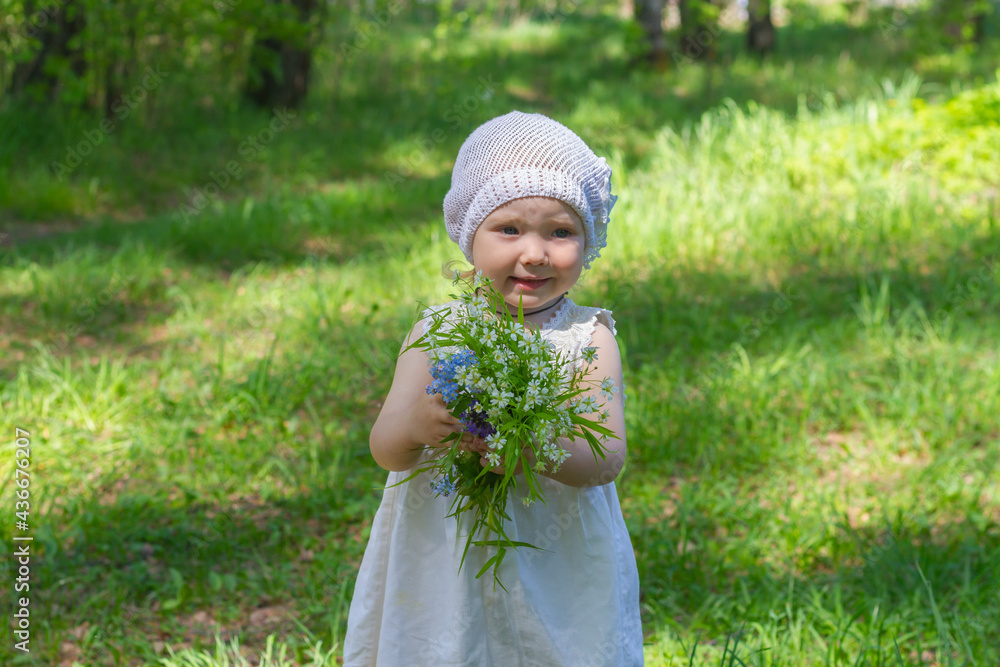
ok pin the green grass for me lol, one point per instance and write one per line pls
(806, 288)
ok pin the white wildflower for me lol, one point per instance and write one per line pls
(534, 390)
(557, 455)
(472, 378)
(502, 398)
(488, 385)
(477, 305)
(608, 388)
(589, 354)
(540, 346)
(546, 431)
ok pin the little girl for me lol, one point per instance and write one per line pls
(528, 206)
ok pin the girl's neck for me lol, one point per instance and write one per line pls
(541, 314)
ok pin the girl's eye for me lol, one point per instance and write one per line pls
(509, 230)
(563, 233)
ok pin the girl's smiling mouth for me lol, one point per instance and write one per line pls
(529, 283)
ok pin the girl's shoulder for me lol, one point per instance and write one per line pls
(573, 315)
(574, 327)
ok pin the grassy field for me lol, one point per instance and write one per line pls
(804, 265)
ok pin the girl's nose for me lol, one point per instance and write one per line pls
(534, 252)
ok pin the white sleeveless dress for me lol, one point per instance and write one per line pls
(574, 604)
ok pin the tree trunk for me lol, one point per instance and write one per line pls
(964, 21)
(280, 68)
(977, 21)
(760, 29)
(54, 26)
(698, 40)
(649, 14)
(120, 68)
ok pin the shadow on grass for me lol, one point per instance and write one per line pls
(701, 315)
(165, 550)
(162, 559)
(711, 569)
(340, 223)
(392, 111)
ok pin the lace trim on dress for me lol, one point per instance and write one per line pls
(572, 327)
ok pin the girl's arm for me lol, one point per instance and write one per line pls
(410, 418)
(580, 469)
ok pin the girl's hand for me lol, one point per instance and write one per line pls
(502, 469)
(429, 421)
(432, 423)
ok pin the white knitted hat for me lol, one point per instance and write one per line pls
(527, 155)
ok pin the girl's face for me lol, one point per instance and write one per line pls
(531, 247)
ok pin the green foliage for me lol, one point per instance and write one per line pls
(804, 280)
(118, 42)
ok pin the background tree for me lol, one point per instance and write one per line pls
(964, 21)
(649, 15)
(281, 59)
(53, 31)
(760, 29)
(700, 30)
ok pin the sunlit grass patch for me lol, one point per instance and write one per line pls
(806, 295)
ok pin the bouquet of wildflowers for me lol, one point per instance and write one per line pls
(517, 391)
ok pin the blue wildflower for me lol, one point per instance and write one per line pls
(443, 487)
(444, 372)
(475, 422)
